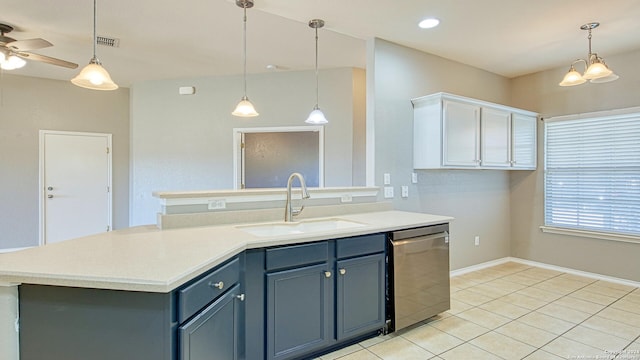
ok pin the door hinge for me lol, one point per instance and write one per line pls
(242, 145)
(108, 189)
(108, 228)
(107, 150)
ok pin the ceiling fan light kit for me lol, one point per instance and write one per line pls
(316, 117)
(94, 76)
(14, 52)
(596, 70)
(245, 108)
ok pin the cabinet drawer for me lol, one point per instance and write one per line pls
(195, 296)
(297, 255)
(360, 245)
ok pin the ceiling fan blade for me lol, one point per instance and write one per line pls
(29, 44)
(47, 59)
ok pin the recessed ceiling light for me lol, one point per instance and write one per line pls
(429, 23)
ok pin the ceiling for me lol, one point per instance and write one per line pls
(191, 38)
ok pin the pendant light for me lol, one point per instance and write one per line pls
(94, 76)
(596, 71)
(316, 117)
(245, 107)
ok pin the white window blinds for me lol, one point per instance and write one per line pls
(592, 174)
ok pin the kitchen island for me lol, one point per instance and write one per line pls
(147, 265)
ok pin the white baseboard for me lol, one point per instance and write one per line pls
(503, 260)
(14, 249)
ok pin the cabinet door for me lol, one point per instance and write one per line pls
(360, 295)
(461, 134)
(524, 141)
(299, 311)
(495, 138)
(214, 332)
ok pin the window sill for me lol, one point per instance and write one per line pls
(591, 234)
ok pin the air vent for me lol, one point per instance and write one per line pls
(107, 41)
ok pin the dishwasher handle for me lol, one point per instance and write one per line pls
(419, 232)
(425, 239)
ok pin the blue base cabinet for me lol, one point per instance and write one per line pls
(298, 300)
(360, 295)
(215, 332)
(318, 295)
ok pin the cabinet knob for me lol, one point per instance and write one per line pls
(327, 274)
(342, 271)
(218, 285)
(240, 297)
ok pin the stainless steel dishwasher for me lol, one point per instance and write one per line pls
(418, 276)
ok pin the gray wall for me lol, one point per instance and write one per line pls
(185, 142)
(28, 105)
(478, 199)
(541, 93)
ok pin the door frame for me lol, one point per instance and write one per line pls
(41, 177)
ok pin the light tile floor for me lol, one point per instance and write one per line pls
(516, 311)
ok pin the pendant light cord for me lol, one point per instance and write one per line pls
(95, 37)
(317, 87)
(245, 50)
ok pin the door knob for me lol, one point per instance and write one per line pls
(50, 196)
(50, 188)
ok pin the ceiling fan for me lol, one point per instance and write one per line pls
(13, 52)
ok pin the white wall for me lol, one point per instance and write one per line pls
(540, 92)
(185, 142)
(478, 199)
(29, 104)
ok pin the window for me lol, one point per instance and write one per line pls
(592, 173)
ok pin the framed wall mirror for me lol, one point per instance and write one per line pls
(265, 157)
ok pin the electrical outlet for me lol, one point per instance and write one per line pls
(414, 178)
(477, 240)
(405, 191)
(387, 179)
(217, 204)
(346, 198)
(388, 192)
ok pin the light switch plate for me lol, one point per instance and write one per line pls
(387, 179)
(388, 192)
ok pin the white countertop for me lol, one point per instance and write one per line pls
(148, 259)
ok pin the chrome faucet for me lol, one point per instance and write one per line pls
(289, 211)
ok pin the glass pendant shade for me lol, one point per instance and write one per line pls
(597, 70)
(95, 77)
(605, 79)
(316, 117)
(11, 62)
(572, 78)
(245, 109)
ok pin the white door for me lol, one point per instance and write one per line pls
(75, 185)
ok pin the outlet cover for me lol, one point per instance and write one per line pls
(387, 179)
(217, 204)
(346, 198)
(405, 191)
(414, 178)
(388, 192)
(477, 240)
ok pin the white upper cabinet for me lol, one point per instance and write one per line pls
(462, 133)
(523, 141)
(495, 138)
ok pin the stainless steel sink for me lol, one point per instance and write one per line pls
(302, 227)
